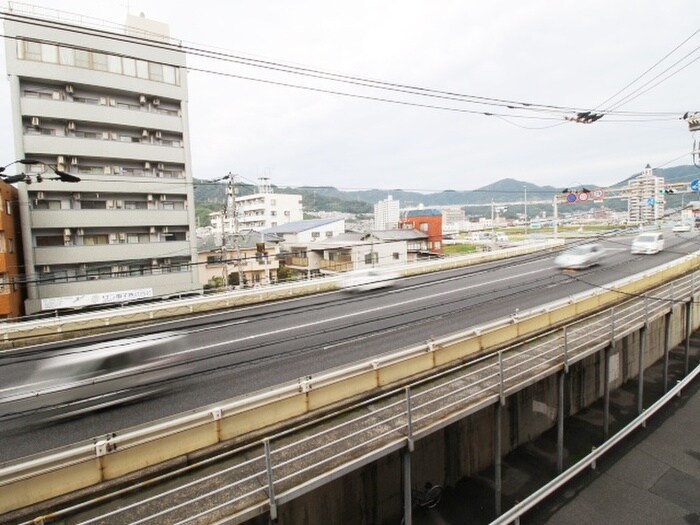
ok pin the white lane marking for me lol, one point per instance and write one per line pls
(357, 314)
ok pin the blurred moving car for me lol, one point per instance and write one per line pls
(370, 279)
(681, 227)
(648, 243)
(580, 257)
(87, 378)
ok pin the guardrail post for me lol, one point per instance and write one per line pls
(688, 332)
(667, 346)
(497, 445)
(409, 420)
(501, 386)
(612, 325)
(566, 349)
(270, 482)
(606, 390)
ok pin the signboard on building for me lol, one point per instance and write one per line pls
(77, 301)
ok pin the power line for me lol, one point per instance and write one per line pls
(318, 74)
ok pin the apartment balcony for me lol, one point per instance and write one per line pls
(297, 262)
(336, 266)
(46, 256)
(106, 149)
(131, 115)
(107, 218)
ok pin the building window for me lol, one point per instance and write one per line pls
(372, 258)
(66, 56)
(32, 51)
(315, 235)
(423, 227)
(396, 256)
(329, 234)
(287, 213)
(10, 246)
(8, 207)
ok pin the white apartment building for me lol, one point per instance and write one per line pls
(262, 209)
(386, 214)
(111, 109)
(645, 203)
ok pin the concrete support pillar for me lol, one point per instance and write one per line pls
(606, 391)
(642, 351)
(406, 469)
(497, 445)
(561, 378)
(667, 346)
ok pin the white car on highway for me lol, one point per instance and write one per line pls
(370, 279)
(580, 257)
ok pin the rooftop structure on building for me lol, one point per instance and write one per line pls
(116, 116)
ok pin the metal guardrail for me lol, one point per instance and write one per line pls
(514, 514)
(284, 466)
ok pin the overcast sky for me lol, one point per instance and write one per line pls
(565, 53)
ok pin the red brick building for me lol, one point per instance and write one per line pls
(428, 221)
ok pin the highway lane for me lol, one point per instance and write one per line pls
(254, 348)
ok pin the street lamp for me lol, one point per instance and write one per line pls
(23, 177)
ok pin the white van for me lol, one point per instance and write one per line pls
(650, 242)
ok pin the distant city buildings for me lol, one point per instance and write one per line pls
(260, 210)
(114, 115)
(646, 200)
(386, 214)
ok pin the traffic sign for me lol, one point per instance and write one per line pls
(583, 196)
(598, 195)
(571, 198)
(695, 185)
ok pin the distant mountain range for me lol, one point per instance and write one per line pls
(327, 198)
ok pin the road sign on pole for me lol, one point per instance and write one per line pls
(695, 185)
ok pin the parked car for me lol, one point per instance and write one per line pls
(648, 243)
(681, 227)
(580, 257)
(370, 279)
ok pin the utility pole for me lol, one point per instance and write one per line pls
(525, 188)
(230, 208)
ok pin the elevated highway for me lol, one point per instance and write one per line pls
(250, 349)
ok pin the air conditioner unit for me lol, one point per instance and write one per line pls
(108, 170)
(120, 204)
(159, 134)
(56, 95)
(103, 101)
(60, 159)
(76, 196)
(112, 102)
(122, 236)
(105, 135)
(112, 238)
(161, 166)
(150, 197)
(152, 229)
(163, 197)
(71, 125)
(166, 229)
(74, 161)
(142, 99)
(40, 195)
(66, 231)
(80, 231)
(116, 170)
(167, 261)
(144, 133)
(147, 165)
(46, 269)
(114, 135)
(69, 88)
(83, 266)
(156, 102)
(35, 121)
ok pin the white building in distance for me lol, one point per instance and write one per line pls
(646, 200)
(262, 209)
(386, 214)
(109, 107)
